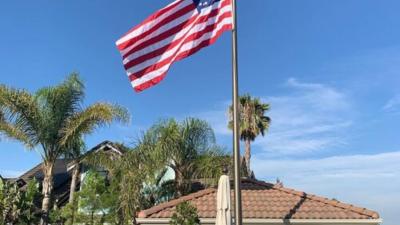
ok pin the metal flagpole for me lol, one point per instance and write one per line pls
(235, 99)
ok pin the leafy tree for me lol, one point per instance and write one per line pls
(93, 196)
(52, 118)
(27, 206)
(57, 217)
(253, 122)
(186, 214)
(93, 204)
(128, 174)
(10, 198)
(188, 148)
(16, 205)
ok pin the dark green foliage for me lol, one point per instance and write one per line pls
(16, 205)
(252, 122)
(128, 174)
(252, 117)
(57, 217)
(189, 148)
(94, 204)
(94, 197)
(185, 214)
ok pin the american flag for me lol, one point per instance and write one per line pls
(174, 32)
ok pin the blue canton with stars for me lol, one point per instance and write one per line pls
(201, 4)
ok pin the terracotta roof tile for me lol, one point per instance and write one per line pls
(267, 201)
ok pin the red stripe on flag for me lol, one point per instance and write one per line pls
(161, 36)
(150, 83)
(173, 44)
(205, 43)
(171, 31)
(168, 19)
(147, 51)
(152, 17)
(168, 60)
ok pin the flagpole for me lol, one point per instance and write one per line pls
(235, 99)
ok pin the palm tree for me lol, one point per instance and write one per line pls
(253, 122)
(128, 175)
(189, 149)
(50, 120)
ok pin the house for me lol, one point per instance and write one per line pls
(268, 204)
(263, 203)
(63, 174)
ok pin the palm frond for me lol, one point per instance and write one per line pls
(20, 115)
(14, 132)
(57, 104)
(252, 119)
(96, 115)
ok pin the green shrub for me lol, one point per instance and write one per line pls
(17, 206)
(186, 214)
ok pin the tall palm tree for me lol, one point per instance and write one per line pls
(189, 149)
(253, 122)
(50, 120)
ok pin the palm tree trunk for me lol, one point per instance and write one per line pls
(179, 183)
(74, 180)
(47, 188)
(247, 156)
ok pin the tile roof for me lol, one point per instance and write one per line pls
(266, 201)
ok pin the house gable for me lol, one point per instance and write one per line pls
(62, 173)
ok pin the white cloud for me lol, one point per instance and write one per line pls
(320, 96)
(371, 181)
(351, 166)
(310, 117)
(393, 104)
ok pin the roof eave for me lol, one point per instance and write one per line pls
(160, 221)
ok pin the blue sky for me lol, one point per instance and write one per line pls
(329, 69)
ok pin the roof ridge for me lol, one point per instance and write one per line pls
(30, 171)
(172, 203)
(334, 203)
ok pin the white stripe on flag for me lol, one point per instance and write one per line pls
(197, 28)
(164, 28)
(145, 27)
(153, 74)
(192, 29)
